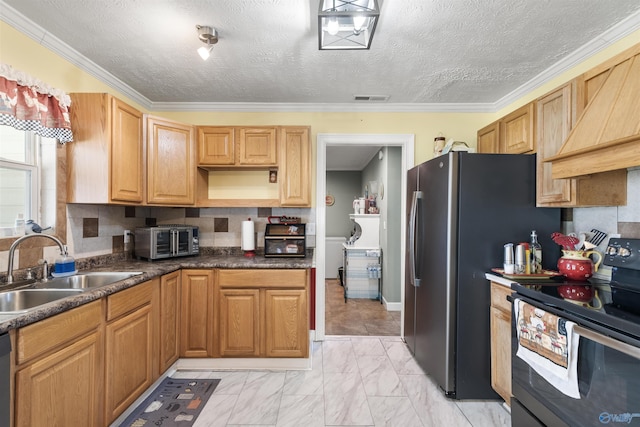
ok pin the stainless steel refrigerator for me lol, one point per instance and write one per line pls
(462, 208)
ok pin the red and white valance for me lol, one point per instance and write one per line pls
(29, 104)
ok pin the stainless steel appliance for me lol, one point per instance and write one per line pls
(463, 208)
(608, 358)
(5, 390)
(166, 241)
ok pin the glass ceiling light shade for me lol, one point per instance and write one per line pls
(347, 24)
(209, 36)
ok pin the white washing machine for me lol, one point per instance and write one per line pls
(333, 256)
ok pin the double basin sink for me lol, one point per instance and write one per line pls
(24, 300)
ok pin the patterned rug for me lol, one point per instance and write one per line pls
(175, 402)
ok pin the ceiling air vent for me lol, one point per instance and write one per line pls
(371, 98)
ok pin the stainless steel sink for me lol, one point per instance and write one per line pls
(23, 300)
(86, 281)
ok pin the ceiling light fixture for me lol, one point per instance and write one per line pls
(347, 24)
(207, 35)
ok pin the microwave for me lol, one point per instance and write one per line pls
(166, 241)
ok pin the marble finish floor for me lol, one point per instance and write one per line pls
(364, 381)
(357, 317)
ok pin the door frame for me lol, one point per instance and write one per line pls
(406, 142)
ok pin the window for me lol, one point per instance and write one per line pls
(27, 179)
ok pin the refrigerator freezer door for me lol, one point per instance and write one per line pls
(436, 297)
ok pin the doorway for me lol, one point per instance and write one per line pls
(406, 143)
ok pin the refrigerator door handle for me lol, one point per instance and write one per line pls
(413, 225)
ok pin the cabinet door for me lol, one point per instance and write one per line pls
(517, 131)
(258, 146)
(488, 141)
(501, 353)
(216, 146)
(239, 322)
(286, 323)
(126, 153)
(196, 314)
(64, 388)
(554, 121)
(295, 171)
(129, 360)
(169, 320)
(170, 162)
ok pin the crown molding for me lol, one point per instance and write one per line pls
(374, 107)
(599, 43)
(41, 36)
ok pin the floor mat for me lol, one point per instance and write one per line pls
(175, 402)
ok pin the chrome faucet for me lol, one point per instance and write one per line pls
(15, 244)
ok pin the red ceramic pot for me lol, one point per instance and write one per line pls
(576, 265)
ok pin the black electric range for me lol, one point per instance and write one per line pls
(608, 357)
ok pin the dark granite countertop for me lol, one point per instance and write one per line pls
(149, 269)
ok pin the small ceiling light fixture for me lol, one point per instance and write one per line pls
(347, 24)
(207, 35)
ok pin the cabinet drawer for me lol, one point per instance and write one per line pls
(499, 297)
(47, 334)
(129, 299)
(270, 278)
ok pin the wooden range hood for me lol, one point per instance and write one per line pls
(606, 137)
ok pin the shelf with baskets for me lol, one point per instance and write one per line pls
(362, 273)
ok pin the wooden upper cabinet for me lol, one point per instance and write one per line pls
(258, 146)
(517, 131)
(216, 146)
(171, 165)
(295, 170)
(105, 162)
(555, 116)
(488, 141)
(220, 146)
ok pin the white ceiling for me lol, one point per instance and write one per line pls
(441, 55)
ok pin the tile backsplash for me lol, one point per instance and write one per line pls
(94, 230)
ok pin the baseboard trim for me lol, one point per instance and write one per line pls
(392, 306)
(243, 363)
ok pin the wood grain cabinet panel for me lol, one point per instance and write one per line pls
(240, 322)
(171, 167)
(517, 131)
(555, 117)
(196, 313)
(500, 323)
(258, 146)
(216, 146)
(131, 346)
(488, 139)
(286, 323)
(169, 338)
(59, 371)
(64, 388)
(105, 163)
(295, 170)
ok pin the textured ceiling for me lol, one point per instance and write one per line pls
(423, 51)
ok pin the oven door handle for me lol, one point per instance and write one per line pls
(608, 342)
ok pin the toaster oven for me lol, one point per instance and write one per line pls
(166, 241)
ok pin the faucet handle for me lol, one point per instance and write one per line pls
(45, 269)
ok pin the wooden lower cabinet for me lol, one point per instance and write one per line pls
(501, 341)
(239, 322)
(170, 293)
(131, 339)
(196, 314)
(61, 381)
(263, 313)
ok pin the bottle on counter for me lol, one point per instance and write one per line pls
(536, 254)
(64, 265)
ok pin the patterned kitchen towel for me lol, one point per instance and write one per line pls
(175, 402)
(549, 345)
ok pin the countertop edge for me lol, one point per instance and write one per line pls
(498, 279)
(151, 270)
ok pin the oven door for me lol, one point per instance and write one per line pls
(182, 239)
(608, 379)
